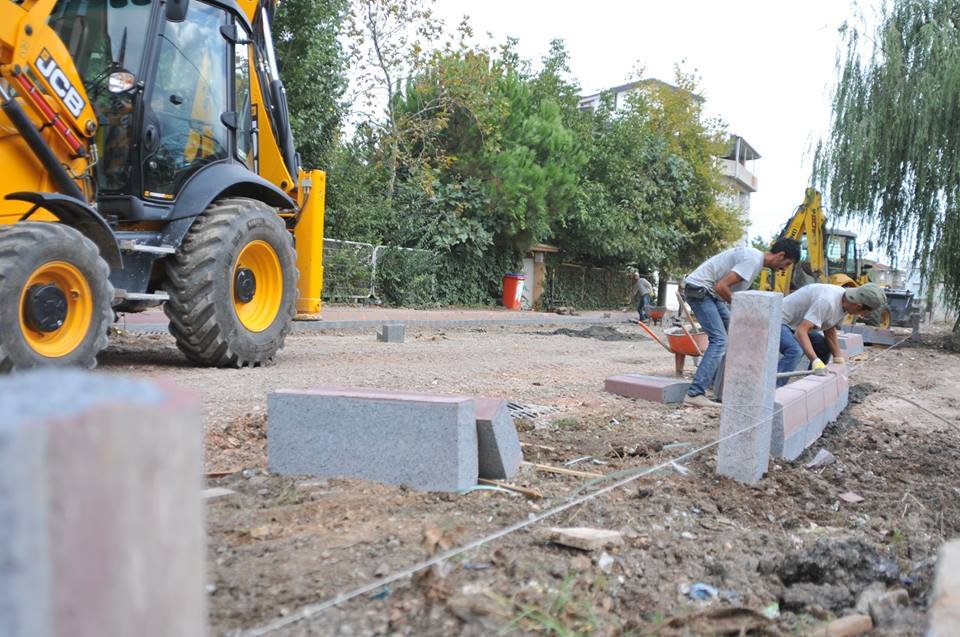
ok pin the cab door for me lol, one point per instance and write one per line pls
(188, 94)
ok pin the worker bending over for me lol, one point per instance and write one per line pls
(710, 287)
(644, 291)
(810, 319)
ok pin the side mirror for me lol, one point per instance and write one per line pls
(175, 10)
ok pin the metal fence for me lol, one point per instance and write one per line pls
(354, 271)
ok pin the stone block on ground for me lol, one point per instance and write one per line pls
(583, 538)
(944, 615)
(872, 335)
(746, 417)
(423, 441)
(497, 441)
(850, 344)
(391, 333)
(100, 508)
(788, 436)
(653, 388)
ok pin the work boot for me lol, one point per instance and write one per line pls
(700, 401)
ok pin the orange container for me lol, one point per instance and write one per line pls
(513, 290)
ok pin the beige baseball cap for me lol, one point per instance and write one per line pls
(869, 296)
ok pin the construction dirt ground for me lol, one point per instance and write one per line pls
(784, 557)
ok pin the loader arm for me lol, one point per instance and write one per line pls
(37, 65)
(807, 221)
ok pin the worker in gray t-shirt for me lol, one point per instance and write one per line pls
(810, 319)
(710, 287)
(644, 289)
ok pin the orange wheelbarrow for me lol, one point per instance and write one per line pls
(656, 314)
(680, 342)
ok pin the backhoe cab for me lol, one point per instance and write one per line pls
(148, 159)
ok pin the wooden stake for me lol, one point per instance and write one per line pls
(561, 471)
(532, 493)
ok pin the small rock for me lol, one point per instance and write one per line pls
(605, 562)
(868, 595)
(382, 570)
(822, 459)
(583, 538)
(885, 608)
(216, 492)
(211, 589)
(851, 497)
(850, 626)
(258, 480)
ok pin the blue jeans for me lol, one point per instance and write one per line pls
(791, 352)
(714, 317)
(642, 306)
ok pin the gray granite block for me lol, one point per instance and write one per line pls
(498, 444)
(100, 508)
(422, 441)
(746, 416)
(873, 335)
(391, 333)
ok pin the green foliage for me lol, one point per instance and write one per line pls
(479, 156)
(313, 66)
(893, 155)
(406, 277)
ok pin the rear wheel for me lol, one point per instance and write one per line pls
(55, 297)
(233, 285)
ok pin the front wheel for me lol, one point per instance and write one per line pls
(233, 285)
(55, 297)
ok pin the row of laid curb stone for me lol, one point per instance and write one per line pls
(803, 408)
(425, 441)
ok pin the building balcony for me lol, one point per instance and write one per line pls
(738, 173)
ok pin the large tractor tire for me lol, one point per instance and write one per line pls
(55, 297)
(233, 285)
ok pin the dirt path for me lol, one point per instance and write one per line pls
(789, 547)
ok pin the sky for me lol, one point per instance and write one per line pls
(766, 67)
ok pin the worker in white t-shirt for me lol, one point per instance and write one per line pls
(710, 287)
(810, 319)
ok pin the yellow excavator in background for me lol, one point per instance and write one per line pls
(147, 159)
(829, 256)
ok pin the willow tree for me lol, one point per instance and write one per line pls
(893, 154)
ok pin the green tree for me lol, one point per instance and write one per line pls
(313, 66)
(893, 153)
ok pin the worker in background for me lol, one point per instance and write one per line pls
(643, 289)
(810, 319)
(709, 289)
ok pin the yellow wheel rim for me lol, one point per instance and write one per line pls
(66, 338)
(259, 259)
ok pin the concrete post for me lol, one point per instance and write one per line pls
(100, 509)
(753, 348)
(915, 324)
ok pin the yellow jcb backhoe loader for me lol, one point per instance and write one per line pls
(829, 256)
(146, 158)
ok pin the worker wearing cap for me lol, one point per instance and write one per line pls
(710, 287)
(810, 319)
